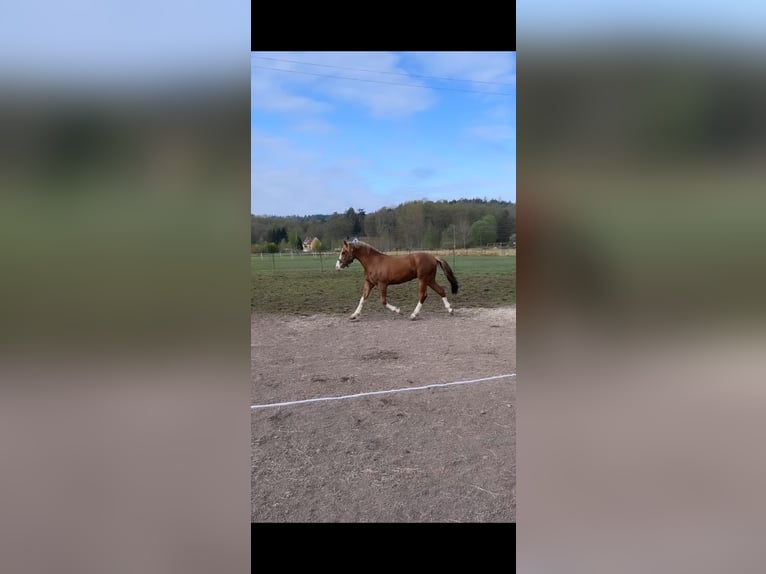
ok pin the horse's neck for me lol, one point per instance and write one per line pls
(368, 254)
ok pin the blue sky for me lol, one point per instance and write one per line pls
(736, 23)
(88, 44)
(333, 130)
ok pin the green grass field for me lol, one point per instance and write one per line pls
(306, 285)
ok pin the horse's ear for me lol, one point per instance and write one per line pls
(345, 243)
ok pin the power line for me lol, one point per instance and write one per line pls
(382, 72)
(382, 82)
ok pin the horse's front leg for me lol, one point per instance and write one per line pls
(365, 293)
(383, 287)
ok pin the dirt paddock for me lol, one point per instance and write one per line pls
(442, 454)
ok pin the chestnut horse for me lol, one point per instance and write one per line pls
(381, 270)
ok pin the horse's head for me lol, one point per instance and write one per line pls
(346, 256)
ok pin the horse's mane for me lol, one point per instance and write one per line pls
(366, 246)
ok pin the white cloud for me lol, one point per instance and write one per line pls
(270, 92)
(376, 86)
(502, 113)
(314, 126)
(287, 179)
(478, 67)
(493, 132)
(266, 147)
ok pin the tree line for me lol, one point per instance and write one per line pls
(412, 225)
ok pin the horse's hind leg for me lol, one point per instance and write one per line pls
(441, 293)
(422, 284)
(365, 293)
(383, 287)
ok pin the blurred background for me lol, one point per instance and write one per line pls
(641, 321)
(124, 333)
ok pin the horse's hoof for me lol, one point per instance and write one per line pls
(398, 311)
(413, 317)
(353, 318)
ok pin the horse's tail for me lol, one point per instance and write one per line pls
(448, 272)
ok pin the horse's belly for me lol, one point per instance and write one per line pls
(402, 278)
(399, 272)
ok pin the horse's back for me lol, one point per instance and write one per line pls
(402, 269)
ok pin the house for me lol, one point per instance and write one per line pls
(310, 243)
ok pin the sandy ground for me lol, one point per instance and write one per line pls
(435, 455)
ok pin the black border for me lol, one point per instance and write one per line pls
(483, 544)
(445, 27)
